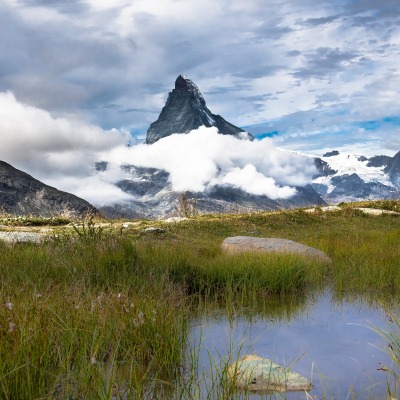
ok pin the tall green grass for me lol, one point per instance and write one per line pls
(85, 317)
(77, 313)
(391, 337)
(102, 314)
(214, 274)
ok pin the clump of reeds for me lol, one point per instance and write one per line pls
(391, 336)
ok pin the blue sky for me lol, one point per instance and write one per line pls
(320, 77)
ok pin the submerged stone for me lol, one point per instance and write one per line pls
(242, 244)
(261, 374)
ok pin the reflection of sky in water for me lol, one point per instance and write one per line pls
(340, 349)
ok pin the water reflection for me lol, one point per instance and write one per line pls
(329, 340)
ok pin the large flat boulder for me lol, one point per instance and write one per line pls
(22, 237)
(261, 374)
(242, 244)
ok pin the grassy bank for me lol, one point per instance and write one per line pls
(91, 316)
(104, 312)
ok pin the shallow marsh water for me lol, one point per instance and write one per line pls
(329, 341)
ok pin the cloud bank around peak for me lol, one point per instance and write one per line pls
(203, 158)
(62, 152)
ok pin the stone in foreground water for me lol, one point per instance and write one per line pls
(242, 244)
(261, 374)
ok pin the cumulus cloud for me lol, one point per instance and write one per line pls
(268, 68)
(62, 152)
(59, 151)
(203, 158)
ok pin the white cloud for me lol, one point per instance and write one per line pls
(59, 151)
(252, 181)
(204, 158)
(62, 152)
(32, 136)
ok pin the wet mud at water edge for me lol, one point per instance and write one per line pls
(331, 342)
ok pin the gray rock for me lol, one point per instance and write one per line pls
(154, 230)
(393, 170)
(21, 194)
(376, 211)
(353, 187)
(378, 161)
(261, 374)
(331, 153)
(101, 166)
(186, 110)
(323, 168)
(22, 237)
(175, 220)
(323, 209)
(242, 244)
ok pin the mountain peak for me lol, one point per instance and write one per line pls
(185, 84)
(186, 110)
(182, 81)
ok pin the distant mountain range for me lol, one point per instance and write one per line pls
(151, 190)
(351, 177)
(339, 177)
(21, 194)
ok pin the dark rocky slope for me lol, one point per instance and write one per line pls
(186, 110)
(393, 169)
(21, 194)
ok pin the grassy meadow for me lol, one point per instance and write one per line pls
(101, 312)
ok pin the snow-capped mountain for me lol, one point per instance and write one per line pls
(352, 177)
(150, 186)
(151, 190)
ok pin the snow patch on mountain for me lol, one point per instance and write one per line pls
(348, 164)
(351, 177)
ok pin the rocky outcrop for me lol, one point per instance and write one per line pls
(259, 374)
(331, 153)
(353, 177)
(242, 244)
(186, 110)
(378, 161)
(393, 170)
(346, 184)
(353, 187)
(323, 168)
(21, 194)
